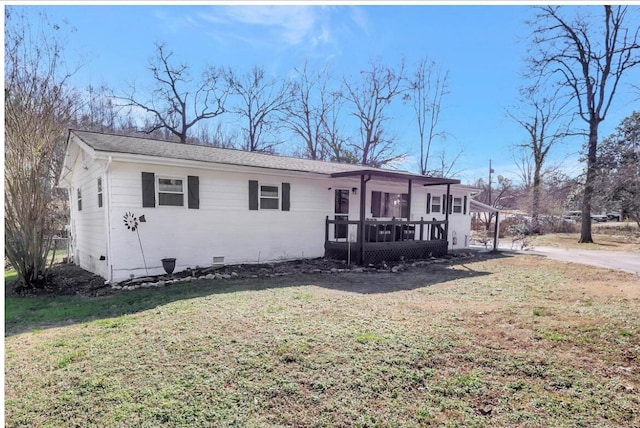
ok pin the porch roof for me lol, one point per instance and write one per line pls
(479, 207)
(400, 175)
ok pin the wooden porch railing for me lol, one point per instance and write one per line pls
(386, 230)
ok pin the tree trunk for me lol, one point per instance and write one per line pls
(585, 229)
(535, 203)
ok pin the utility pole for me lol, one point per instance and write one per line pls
(491, 171)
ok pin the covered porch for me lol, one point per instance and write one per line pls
(374, 239)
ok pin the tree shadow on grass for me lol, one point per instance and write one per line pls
(24, 314)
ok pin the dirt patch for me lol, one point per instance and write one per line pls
(61, 280)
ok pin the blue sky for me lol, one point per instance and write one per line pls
(482, 47)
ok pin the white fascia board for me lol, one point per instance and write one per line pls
(185, 163)
(67, 163)
(84, 146)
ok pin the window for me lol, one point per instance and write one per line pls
(342, 212)
(436, 204)
(457, 205)
(79, 199)
(267, 196)
(269, 199)
(170, 192)
(389, 205)
(342, 201)
(99, 192)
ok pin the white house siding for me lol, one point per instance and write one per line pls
(223, 226)
(459, 223)
(88, 242)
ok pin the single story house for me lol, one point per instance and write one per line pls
(135, 201)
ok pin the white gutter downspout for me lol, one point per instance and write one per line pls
(107, 207)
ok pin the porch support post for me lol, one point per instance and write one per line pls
(326, 230)
(409, 202)
(363, 200)
(496, 231)
(446, 216)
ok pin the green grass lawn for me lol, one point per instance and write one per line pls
(10, 276)
(506, 341)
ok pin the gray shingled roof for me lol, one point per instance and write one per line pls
(109, 143)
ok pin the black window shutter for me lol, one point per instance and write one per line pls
(148, 189)
(375, 204)
(193, 189)
(444, 203)
(253, 195)
(464, 207)
(428, 203)
(286, 196)
(450, 203)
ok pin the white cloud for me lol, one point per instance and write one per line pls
(285, 26)
(359, 17)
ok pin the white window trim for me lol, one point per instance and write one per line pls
(183, 193)
(458, 206)
(260, 197)
(439, 204)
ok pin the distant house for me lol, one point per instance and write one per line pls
(135, 201)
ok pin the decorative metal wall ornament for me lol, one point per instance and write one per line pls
(131, 222)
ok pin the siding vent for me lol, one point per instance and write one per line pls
(218, 261)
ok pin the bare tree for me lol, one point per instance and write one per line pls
(545, 125)
(427, 88)
(499, 199)
(261, 101)
(216, 138)
(445, 165)
(309, 113)
(524, 162)
(619, 169)
(39, 107)
(99, 112)
(176, 104)
(589, 56)
(370, 98)
(334, 139)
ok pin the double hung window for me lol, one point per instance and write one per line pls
(99, 192)
(170, 191)
(436, 204)
(457, 205)
(269, 197)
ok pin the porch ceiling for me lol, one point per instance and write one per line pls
(398, 175)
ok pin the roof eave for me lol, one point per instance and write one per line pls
(399, 175)
(191, 163)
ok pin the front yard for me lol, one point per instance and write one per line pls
(489, 341)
